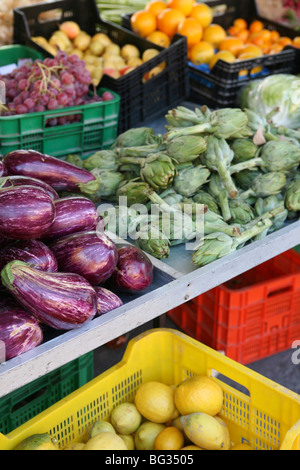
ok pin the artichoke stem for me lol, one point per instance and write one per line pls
(191, 130)
(227, 180)
(224, 205)
(253, 162)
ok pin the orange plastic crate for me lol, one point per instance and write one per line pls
(250, 317)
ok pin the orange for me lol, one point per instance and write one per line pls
(170, 438)
(231, 44)
(202, 13)
(266, 47)
(250, 55)
(143, 23)
(251, 49)
(227, 56)
(182, 5)
(168, 21)
(159, 38)
(276, 48)
(243, 34)
(285, 41)
(193, 31)
(296, 41)
(240, 23)
(214, 34)
(275, 36)
(155, 7)
(201, 53)
(233, 31)
(256, 26)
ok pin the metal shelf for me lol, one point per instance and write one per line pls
(176, 281)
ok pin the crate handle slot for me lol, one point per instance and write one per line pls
(232, 383)
(50, 15)
(29, 399)
(291, 440)
(63, 114)
(280, 291)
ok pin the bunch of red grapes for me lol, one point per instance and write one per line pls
(50, 84)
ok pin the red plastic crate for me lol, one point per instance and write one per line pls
(250, 317)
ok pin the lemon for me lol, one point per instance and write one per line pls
(37, 442)
(204, 431)
(241, 447)
(125, 418)
(99, 426)
(199, 394)
(227, 441)
(74, 446)
(129, 441)
(145, 435)
(105, 441)
(191, 447)
(227, 56)
(155, 402)
(170, 438)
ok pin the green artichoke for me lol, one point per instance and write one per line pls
(109, 182)
(217, 190)
(292, 196)
(186, 149)
(75, 160)
(218, 157)
(263, 205)
(225, 123)
(215, 223)
(190, 179)
(243, 149)
(245, 178)
(265, 185)
(104, 160)
(184, 117)
(216, 245)
(158, 171)
(136, 192)
(136, 136)
(241, 211)
(204, 197)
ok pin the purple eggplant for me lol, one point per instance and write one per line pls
(16, 180)
(19, 330)
(26, 212)
(61, 175)
(33, 252)
(63, 301)
(73, 214)
(92, 255)
(106, 300)
(134, 271)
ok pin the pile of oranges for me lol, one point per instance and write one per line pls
(207, 42)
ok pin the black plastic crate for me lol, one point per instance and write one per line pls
(140, 99)
(220, 87)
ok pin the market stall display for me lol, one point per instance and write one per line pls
(233, 165)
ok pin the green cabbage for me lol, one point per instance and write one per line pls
(282, 92)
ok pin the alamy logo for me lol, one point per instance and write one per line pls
(2, 352)
(2, 93)
(296, 354)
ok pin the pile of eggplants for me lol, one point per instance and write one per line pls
(58, 267)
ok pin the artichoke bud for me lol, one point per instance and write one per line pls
(75, 160)
(158, 172)
(186, 149)
(136, 192)
(230, 123)
(280, 156)
(292, 197)
(136, 137)
(213, 246)
(269, 183)
(243, 149)
(241, 211)
(203, 197)
(189, 180)
(104, 159)
(154, 242)
(109, 181)
(245, 178)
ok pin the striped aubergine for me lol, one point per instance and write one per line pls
(26, 212)
(17, 180)
(33, 252)
(20, 331)
(92, 255)
(61, 175)
(63, 301)
(73, 214)
(106, 300)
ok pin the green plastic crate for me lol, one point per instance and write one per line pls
(96, 130)
(21, 405)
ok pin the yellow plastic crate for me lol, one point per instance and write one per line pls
(256, 409)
